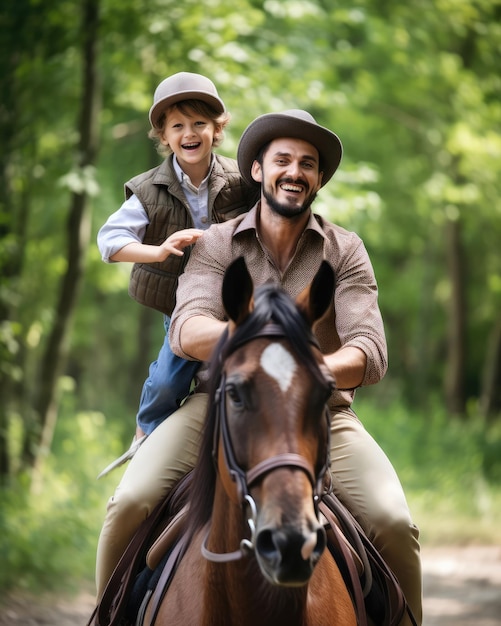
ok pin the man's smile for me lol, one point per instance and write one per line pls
(292, 187)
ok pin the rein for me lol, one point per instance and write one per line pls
(244, 480)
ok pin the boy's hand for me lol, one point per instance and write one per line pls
(136, 252)
(180, 239)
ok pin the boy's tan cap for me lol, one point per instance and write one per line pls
(183, 86)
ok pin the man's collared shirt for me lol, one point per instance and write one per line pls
(353, 319)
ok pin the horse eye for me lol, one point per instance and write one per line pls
(233, 394)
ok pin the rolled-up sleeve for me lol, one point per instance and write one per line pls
(359, 322)
(127, 225)
(199, 287)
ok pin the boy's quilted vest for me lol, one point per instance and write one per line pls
(160, 193)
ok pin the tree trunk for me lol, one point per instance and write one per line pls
(14, 208)
(490, 398)
(455, 386)
(78, 232)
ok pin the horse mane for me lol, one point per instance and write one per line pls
(271, 304)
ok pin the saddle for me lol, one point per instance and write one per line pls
(158, 547)
(112, 607)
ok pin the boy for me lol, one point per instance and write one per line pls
(165, 212)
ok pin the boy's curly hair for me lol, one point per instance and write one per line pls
(190, 108)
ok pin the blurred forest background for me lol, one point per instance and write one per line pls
(414, 91)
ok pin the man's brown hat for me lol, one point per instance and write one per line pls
(293, 123)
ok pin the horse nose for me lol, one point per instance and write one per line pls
(288, 556)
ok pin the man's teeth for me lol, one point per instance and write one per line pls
(289, 187)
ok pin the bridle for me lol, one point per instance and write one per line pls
(244, 480)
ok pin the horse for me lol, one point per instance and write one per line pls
(255, 550)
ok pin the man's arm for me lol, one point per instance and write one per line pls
(362, 357)
(199, 319)
(347, 366)
(199, 336)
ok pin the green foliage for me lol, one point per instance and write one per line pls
(450, 470)
(48, 537)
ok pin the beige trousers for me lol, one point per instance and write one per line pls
(364, 479)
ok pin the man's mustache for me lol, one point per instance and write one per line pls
(294, 181)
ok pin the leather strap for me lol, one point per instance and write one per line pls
(395, 603)
(356, 586)
(166, 577)
(280, 460)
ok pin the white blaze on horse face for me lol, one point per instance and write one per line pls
(278, 363)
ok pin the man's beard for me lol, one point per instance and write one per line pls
(284, 209)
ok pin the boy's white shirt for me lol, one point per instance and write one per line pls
(129, 223)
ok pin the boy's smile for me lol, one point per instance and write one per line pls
(191, 138)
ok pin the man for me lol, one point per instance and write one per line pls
(291, 157)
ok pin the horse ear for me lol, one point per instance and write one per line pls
(238, 291)
(315, 299)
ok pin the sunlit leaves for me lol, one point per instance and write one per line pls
(81, 180)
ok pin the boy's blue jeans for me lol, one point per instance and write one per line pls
(167, 385)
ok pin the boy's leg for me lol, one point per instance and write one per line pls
(163, 459)
(167, 385)
(366, 482)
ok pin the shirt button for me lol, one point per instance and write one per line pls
(204, 220)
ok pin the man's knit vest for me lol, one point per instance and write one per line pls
(160, 193)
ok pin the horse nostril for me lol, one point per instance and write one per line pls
(274, 545)
(314, 544)
(266, 544)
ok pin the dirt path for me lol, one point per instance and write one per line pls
(462, 587)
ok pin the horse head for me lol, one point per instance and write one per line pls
(272, 438)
